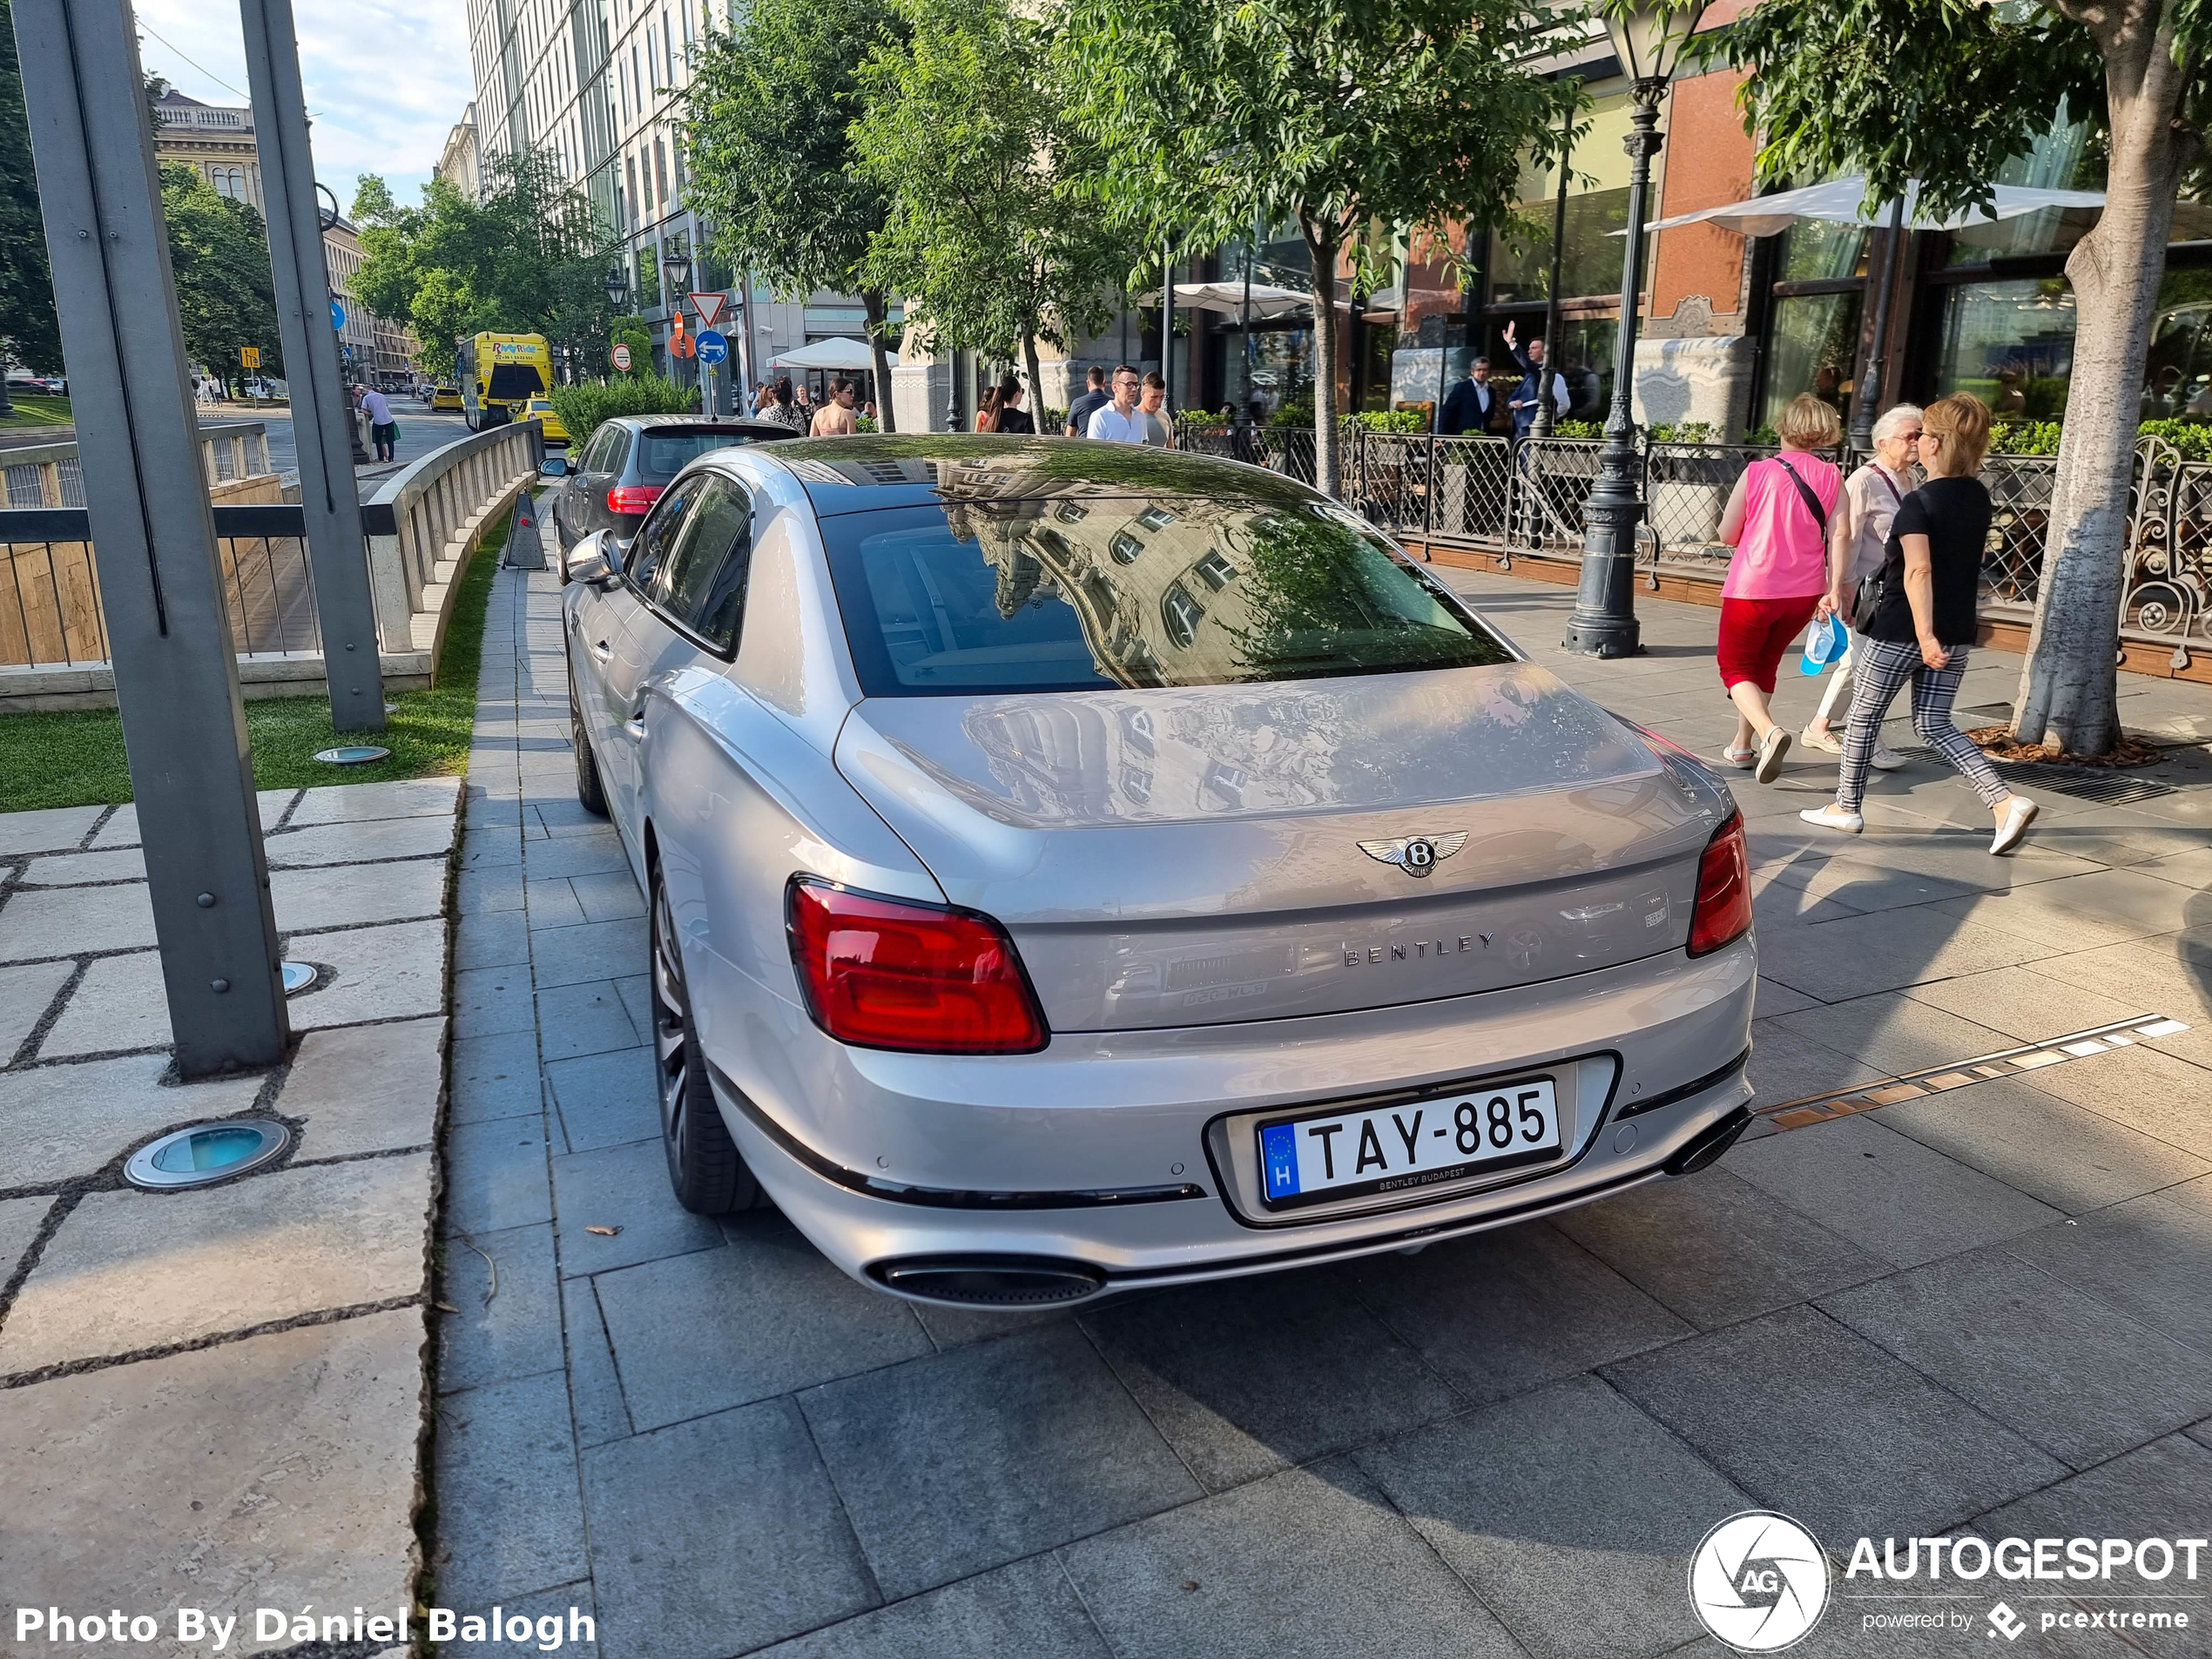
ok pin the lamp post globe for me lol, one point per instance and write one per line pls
(1649, 36)
(617, 287)
(676, 267)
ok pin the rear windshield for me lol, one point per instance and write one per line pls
(666, 454)
(513, 380)
(1046, 594)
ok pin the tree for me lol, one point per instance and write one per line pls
(1946, 91)
(768, 119)
(529, 258)
(1353, 119)
(29, 332)
(219, 253)
(989, 236)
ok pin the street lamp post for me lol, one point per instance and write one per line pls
(1649, 36)
(676, 277)
(1867, 395)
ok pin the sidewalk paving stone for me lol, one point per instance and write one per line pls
(491, 939)
(1818, 1423)
(1246, 1378)
(56, 829)
(1004, 1449)
(350, 895)
(20, 1220)
(26, 995)
(495, 1176)
(366, 1089)
(719, 1535)
(1714, 1249)
(1851, 956)
(69, 1120)
(122, 829)
(626, 1187)
(488, 1001)
(85, 869)
(75, 922)
(1570, 1513)
(578, 1020)
(608, 896)
(121, 1003)
(356, 841)
(279, 1471)
(1026, 1607)
(2151, 1257)
(559, 1604)
(1311, 1561)
(383, 973)
(595, 950)
(510, 1512)
(506, 1317)
(360, 803)
(595, 1389)
(2049, 1362)
(2072, 1159)
(130, 1270)
(552, 903)
(716, 1328)
(1884, 1192)
(2156, 1491)
(2025, 1004)
(607, 1099)
(2157, 1094)
(495, 1077)
(1894, 1032)
(1504, 1311)
(480, 892)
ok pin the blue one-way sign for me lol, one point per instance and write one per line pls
(338, 314)
(712, 346)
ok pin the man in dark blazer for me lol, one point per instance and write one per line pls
(1472, 405)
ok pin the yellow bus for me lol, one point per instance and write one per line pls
(500, 374)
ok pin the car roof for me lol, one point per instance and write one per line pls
(646, 423)
(872, 472)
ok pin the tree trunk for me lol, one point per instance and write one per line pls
(1322, 245)
(1036, 377)
(2069, 685)
(873, 299)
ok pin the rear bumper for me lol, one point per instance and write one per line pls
(1103, 1152)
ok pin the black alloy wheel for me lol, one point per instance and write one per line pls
(705, 1166)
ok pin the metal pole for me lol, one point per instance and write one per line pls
(323, 426)
(1865, 405)
(1604, 622)
(1167, 328)
(1549, 367)
(153, 534)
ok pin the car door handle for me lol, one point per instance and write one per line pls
(602, 651)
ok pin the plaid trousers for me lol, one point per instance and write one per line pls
(1881, 668)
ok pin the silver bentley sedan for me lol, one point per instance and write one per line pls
(1074, 868)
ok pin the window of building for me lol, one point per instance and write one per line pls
(660, 174)
(1597, 204)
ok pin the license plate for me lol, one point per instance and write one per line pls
(1393, 1149)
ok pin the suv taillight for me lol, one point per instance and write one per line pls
(1723, 909)
(632, 498)
(891, 974)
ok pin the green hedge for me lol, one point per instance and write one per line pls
(583, 407)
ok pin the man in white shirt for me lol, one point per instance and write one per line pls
(384, 429)
(1122, 421)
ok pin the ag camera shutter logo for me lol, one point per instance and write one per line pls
(1759, 1581)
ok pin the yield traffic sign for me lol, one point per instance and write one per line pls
(710, 307)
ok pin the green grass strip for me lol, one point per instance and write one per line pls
(35, 408)
(75, 757)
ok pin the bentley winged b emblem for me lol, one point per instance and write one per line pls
(1415, 854)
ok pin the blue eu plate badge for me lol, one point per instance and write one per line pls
(1278, 1147)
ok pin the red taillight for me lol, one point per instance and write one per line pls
(887, 974)
(632, 498)
(1723, 909)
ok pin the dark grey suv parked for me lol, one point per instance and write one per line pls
(616, 476)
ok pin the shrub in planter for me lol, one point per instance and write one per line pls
(583, 407)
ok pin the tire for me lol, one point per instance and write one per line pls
(591, 793)
(705, 1167)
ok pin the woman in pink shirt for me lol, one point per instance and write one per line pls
(1776, 520)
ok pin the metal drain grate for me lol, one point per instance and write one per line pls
(2083, 783)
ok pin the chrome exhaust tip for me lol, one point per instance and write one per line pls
(1707, 1147)
(990, 1281)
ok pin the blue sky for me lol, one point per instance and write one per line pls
(386, 80)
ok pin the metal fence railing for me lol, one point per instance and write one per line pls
(1509, 496)
(50, 600)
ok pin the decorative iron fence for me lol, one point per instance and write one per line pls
(1511, 497)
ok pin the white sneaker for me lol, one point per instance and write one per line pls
(1886, 759)
(1826, 742)
(2019, 813)
(1833, 817)
(1772, 747)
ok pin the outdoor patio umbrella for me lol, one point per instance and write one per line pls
(1268, 301)
(840, 353)
(1842, 201)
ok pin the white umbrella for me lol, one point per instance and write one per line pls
(1842, 201)
(1228, 298)
(840, 353)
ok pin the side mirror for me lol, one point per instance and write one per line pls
(553, 467)
(595, 559)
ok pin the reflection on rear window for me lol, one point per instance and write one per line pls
(992, 595)
(668, 453)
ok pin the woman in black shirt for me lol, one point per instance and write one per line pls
(1922, 626)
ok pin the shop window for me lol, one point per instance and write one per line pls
(1597, 204)
(1812, 345)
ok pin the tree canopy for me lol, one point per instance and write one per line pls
(768, 127)
(29, 331)
(1355, 120)
(218, 251)
(989, 236)
(529, 258)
